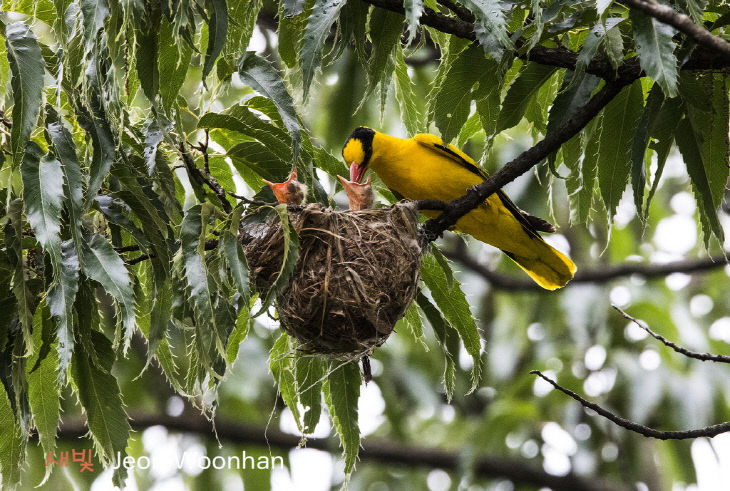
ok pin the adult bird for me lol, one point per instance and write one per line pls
(423, 167)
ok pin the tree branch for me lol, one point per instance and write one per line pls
(675, 347)
(701, 59)
(708, 431)
(476, 195)
(380, 451)
(204, 174)
(667, 15)
(602, 275)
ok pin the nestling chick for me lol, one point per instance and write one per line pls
(360, 195)
(291, 191)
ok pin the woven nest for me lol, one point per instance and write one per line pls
(356, 274)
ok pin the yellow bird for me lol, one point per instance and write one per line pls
(423, 167)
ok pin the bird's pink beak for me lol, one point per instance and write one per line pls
(357, 172)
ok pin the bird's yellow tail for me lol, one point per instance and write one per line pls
(549, 268)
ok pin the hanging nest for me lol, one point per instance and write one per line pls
(355, 276)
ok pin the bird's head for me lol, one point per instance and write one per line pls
(291, 191)
(357, 152)
(359, 195)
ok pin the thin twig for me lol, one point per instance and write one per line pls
(603, 274)
(708, 431)
(667, 15)
(675, 347)
(205, 174)
(250, 201)
(210, 244)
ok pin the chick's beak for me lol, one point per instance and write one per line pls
(359, 195)
(357, 172)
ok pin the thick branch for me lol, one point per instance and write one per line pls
(605, 274)
(667, 15)
(204, 175)
(679, 349)
(384, 452)
(708, 431)
(476, 195)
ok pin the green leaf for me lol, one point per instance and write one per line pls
(689, 144)
(490, 27)
(281, 364)
(242, 20)
(384, 30)
(638, 149)
(233, 254)
(341, 392)
(310, 373)
(452, 103)
(28, 69)
(192, 245)
(414, 9)
(259, 158)
(590, 46)
(288, 262)
(104, 147)
(12, 445)
(655, 48)
(65, 151)
(405, 94)
(323, 15)
(102, 264)
(444, 333)
(24, 297)
(101, 400)
(41, 372)
(159, 317)
(452, 303)
(412, 321)
(173, 62)
(147, 48)
(42, 196)
(217, 28)
(620, 120)
(527, 83)
(60, 300)
(261, 76)
(242, 120)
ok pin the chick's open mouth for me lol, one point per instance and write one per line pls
(357, 172)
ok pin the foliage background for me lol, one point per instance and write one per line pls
(106, 93)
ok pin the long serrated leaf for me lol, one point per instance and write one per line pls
(490, 27)
(238, 267)
(173, 62)
(12, 445)
(192, 244)
(147, 49)
(590, 47)
(527, 83)
(384, 30)
(101, 400)
(689, 144)
(620, 119)
(43, 393)
(281, 364)
(324, 13)
(242, 20)
(414, 9)
(260, 75)
(452, 302)
(638, 148)
(217, 29)
(310, 373)
(65, 151)
(452, 103)
(655, 48)
(27, 68)
(60, 300)
(42, 196)
(102, 263)
(342, 391)
(412, 322)
(405, 94)
(288, 261)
